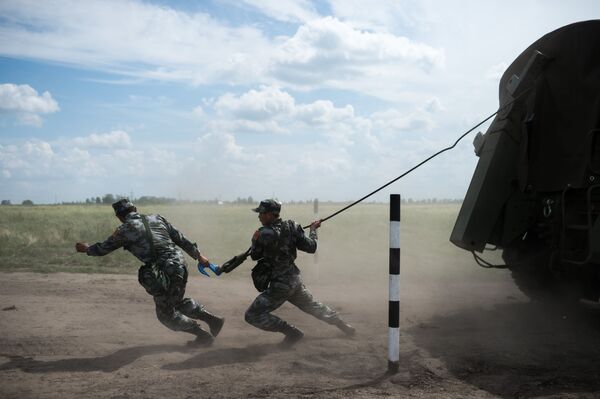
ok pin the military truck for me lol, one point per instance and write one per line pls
(535, 193)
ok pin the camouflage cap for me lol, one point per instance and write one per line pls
(122, 206)
(268, 205)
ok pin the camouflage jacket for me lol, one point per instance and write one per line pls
(277, 244)
(131, 235)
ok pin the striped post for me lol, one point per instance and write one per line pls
(316, 256)
(394, 296)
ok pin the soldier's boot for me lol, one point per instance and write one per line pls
(215, 323)
(203, 338)
(345, 327)
(292, 335)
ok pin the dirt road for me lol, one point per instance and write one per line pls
(79, 336)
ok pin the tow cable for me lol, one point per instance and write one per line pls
(508, 103)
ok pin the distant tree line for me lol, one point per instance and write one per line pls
(108, 199)
(25, 202)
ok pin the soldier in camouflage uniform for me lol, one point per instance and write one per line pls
(153, 240)
(274, 245)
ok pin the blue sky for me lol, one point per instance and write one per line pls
(220, 99)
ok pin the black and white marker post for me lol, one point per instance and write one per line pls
(394, 296)
(316, 256)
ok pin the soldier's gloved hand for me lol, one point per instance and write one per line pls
(315, 225)
(203, 260)
(82, 247)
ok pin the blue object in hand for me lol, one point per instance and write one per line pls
(215, 269)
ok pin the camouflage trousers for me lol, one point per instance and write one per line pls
(290, 289)
(172, 309)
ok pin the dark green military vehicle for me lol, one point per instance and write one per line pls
(535, 193)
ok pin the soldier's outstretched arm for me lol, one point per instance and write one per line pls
(115, 241)
(182, 241)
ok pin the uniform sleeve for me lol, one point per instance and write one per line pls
(117, 240)
(304, 243)
(180, 240)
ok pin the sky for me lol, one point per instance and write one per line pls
(222, 99)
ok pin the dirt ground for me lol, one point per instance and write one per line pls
(82, 335)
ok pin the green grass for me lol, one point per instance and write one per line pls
(354, 243)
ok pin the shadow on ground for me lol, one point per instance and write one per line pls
(107, 363)
(123, 357)
(518, 350)
(249, 354)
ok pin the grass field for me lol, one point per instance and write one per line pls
(42, 238)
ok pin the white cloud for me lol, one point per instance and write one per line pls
(38, 159)
(147, 41)
(322, 161)
(327, 51)
(77, 163)
(132, 38)
(257, 105)
(246, 126)
(419, 119)
(272, 110)
(32, 158)
(285, 10)
(162, 162)
(224, 146)
(434, 105)
(261, 110)
(335, 151)
(25, 102)
(114, 139)
(394, 121)
(39, 149)
(9, 158)
(198, 112)
(343, 153)
(380, 15)
(266, 169)
(323, 112)
(25, 118)
(24, 98)
(94, 156)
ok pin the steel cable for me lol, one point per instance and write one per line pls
(422, 162)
